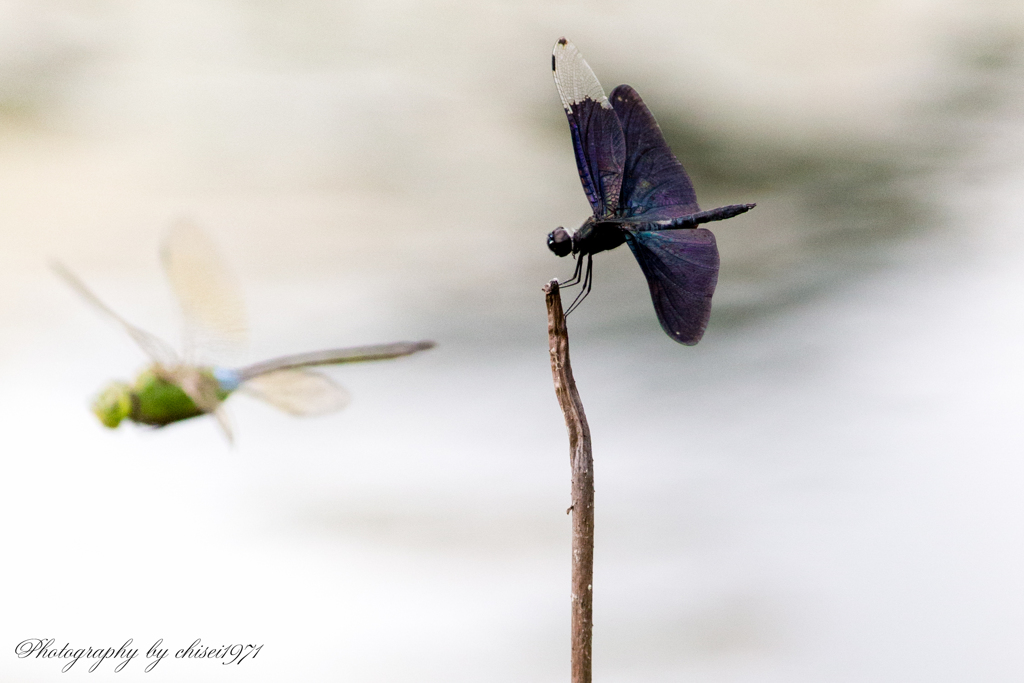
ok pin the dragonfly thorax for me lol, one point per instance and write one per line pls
(596, 236)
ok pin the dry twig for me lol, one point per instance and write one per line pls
(581, 462)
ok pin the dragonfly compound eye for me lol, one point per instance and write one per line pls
(113, 404)
(560, 242)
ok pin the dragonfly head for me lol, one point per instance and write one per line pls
(113, 404)
(560, 242)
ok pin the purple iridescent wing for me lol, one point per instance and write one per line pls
(597, 136)
(681, 267)
(654, 185)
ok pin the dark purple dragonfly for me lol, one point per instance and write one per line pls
(640, 195)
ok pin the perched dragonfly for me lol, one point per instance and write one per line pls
(172, 389)
(640, 195)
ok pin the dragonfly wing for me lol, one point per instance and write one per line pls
(298, 392)
(597, 136)
(205, 391)
(681, 267)
(225, 424)
(203, 388)
(654, 184)
(211, 304)
(154, 347)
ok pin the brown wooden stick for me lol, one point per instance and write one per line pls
(582, 463)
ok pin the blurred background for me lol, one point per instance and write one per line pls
(827, 488)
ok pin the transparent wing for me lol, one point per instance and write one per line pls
(574, 78)
(154, 347)
(298, 392)
(200, 387)
(204, 390)
(211, 304)
(225, 424)
(597, 137)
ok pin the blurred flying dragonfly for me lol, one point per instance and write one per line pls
(640, 195)
(172, 389)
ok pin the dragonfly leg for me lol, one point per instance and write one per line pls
(588, 282)
(575, 279)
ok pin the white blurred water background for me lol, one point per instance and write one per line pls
(830, 487)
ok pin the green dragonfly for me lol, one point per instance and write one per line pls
(172, 389)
